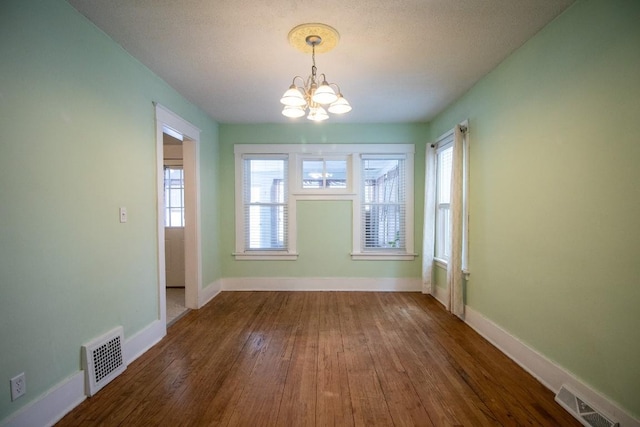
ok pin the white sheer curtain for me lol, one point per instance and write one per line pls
(454, 265)
(429, 230)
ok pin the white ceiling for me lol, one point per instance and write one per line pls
(396, 61)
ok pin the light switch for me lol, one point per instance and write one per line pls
(123, 214)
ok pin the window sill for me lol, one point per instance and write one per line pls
(265, 256)
(382, 256)
(439, 262)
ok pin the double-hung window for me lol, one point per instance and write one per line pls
(444, 156)
(383, 203)
(265, 205)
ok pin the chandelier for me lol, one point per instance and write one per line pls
(312, 95)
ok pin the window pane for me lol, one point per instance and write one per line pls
(443, 243)
(381, 180)
(321, 173)
(174, 196)
(443, 195)
(445, 158)
(384, 226)
(312, 173)
(175, 174)
(265, 180)
(266, 227)
(336, 174)
(176, 217)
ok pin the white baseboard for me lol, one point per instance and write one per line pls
(209, 293)
(440, 294)
(49, 408)
(370, 284)
(143, 340)
(543, 369)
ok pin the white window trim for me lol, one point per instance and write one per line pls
(297, 152)
(406, 152)
(241, 252)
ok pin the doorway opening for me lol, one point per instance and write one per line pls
(174, 221)
(179, 259)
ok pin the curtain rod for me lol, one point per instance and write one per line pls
(462, 128)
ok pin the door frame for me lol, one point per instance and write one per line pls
(165, 118)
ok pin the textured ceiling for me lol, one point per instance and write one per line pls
(396, 61)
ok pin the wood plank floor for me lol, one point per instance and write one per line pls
(321, 359)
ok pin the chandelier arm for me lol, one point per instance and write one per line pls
(337, 87)
(294, 81)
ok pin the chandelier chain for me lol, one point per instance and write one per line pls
(313, 60)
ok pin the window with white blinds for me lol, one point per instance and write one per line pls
(265, 199)
(383, 203)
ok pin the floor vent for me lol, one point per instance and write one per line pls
(581, 410)
(102, 360)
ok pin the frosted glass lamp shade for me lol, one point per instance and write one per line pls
(341, 106)
(293, 112)
(317, 114)
(324, 94)
(293, 98)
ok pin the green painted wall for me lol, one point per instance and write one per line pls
(324, 227)
(77, 141)
(555, 194)
(555, 201)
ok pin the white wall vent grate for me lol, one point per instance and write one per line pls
(581, 410)
(102, 360)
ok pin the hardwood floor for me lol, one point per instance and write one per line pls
(318, 359)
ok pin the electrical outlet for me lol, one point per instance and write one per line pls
(18, 386)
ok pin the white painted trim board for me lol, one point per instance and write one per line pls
(209, 293)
